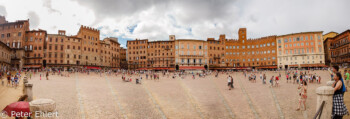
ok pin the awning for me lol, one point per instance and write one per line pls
(142, 69)
(313, 65)
(221, 68)
(88, 67)
(228, 68)
(191, 68)
(162, 68)
(243, 68)
(31, 66)
(267, 67)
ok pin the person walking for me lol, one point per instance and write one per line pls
(254, 77)
(47, 75)
(294, 78)
(137, 80)
(347, 79)
(140, 79)
(264, 79)
(232, 82)
(229, 82)
(277, 79)
(2, 81)
(319, 79)
(16, 81)
(12, 80)
(271, 81)
(303, 95)
(8, 79)
(339, 109)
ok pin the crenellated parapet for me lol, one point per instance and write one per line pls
(86, 28)
(262, 38)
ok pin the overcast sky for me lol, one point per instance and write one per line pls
(197, 19)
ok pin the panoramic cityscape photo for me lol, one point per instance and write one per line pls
(174, 59)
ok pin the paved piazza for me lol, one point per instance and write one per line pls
(94, 96)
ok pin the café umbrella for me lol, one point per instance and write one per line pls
(19, 109)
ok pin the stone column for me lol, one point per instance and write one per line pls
(325, 93)
(24, 83)
(43, 109)
(28, 91)
(25, 80)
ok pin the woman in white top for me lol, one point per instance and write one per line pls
(229, 82)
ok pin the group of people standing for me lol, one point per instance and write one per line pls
(12, 79)
(306, 75)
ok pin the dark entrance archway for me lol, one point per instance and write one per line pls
(44, 63)
(206, 67)
(177, 67)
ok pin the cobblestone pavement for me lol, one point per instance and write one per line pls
(107, 96)
(60, 89)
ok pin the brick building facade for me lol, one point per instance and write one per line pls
(34, 48)
(191, 54)
(38, 49)
(246, 53)
(339, 49)
(300, 50)
(137, 54)
(160, 55)
(90, 46)
(13, 35)
(327, 38)
(5, 59)
(123, 61)
(110, 53)
(216, 52)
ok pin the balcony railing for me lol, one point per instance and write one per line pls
(34, 57)
(191, 55)
(191, 63)
(340, 45)
(216, 57)
(340, 54)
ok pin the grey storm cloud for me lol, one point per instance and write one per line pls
(184, 13)
(47, 4)
(34, 19)
(3, 10)
(200, 19)
(192, 10)
(118, 7)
